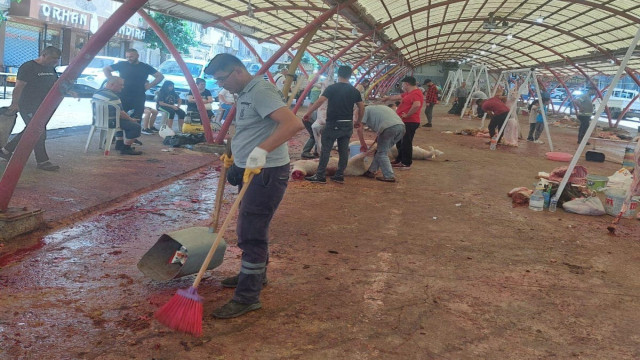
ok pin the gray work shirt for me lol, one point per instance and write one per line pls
(462, 92)
(254, 125)
(584, 104)
(380, 117)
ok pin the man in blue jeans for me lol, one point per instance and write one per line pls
(264, 124)
(389, 129)
(342, 96)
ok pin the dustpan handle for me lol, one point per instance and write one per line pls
(213, 225)
(221, 231)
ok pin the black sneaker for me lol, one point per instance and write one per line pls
(427, 125)
(234, 309)
(153, 129)
(47, 166)
(146, 131)
(232, 282)
(369, 174)
(307, 155)
(316, 179)
(5, 156)
(130, 151)
(338, 179)
(137, 142)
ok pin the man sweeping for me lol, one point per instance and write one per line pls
(263, 126)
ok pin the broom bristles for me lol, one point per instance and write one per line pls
(183, 312)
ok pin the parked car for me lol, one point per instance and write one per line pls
(619, 100)
(93, 76)
(172, 72)
(559, 93)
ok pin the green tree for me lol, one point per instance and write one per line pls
(177, 30)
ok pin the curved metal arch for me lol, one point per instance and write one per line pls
(546, 26)
(627, 16)
(492, 61)
(266, 9)
(322, 28)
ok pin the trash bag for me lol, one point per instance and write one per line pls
(7, 122)
(183, 139)
(585, 206)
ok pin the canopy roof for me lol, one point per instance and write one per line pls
(503, 34)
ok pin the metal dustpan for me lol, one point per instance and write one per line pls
(183, 252)
(167, 259)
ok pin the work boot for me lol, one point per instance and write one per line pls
(234, 309)
(232, 281)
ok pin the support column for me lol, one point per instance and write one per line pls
(38, 124)
(323, 69)
(208, 134)
(315, 23)
(294, 63)
(248, 45)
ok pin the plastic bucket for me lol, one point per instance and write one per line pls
(354, 150)
(615, 199)
(597, 182)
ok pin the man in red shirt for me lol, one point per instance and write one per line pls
(497, 110)
(411, 101)
(431, 99)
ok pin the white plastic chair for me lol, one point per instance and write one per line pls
(101, 122)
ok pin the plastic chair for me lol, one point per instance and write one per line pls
(101, 122)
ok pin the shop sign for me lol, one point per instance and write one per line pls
(131, 32)
(52, 13)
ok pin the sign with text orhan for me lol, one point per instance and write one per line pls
(60, 15)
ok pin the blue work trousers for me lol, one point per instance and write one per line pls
(257, 208)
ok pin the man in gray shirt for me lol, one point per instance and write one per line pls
(460, 99)
(390, 129)
(584, 110)
(264, 124)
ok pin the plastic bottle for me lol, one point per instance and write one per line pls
(536, 201)
(547, 196)
(494, 142)
(552, 204)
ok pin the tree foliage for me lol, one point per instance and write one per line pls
(177, 30)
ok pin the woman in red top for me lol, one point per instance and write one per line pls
(411, 101)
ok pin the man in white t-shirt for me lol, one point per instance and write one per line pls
(226, 101)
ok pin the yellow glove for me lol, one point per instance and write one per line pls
(248, 172)
(228, 160)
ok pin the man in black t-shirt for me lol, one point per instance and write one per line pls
(34, 80)
(135, 75)
(207, 98)
(342, 97)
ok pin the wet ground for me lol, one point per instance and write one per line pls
(436, 266)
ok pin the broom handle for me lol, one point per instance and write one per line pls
(213, 225)
(221, 231)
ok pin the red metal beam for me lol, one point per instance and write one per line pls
(37, 125)
(255, 10)
(248, 45)
(324, 68)
(316, 22)
(204, 117)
